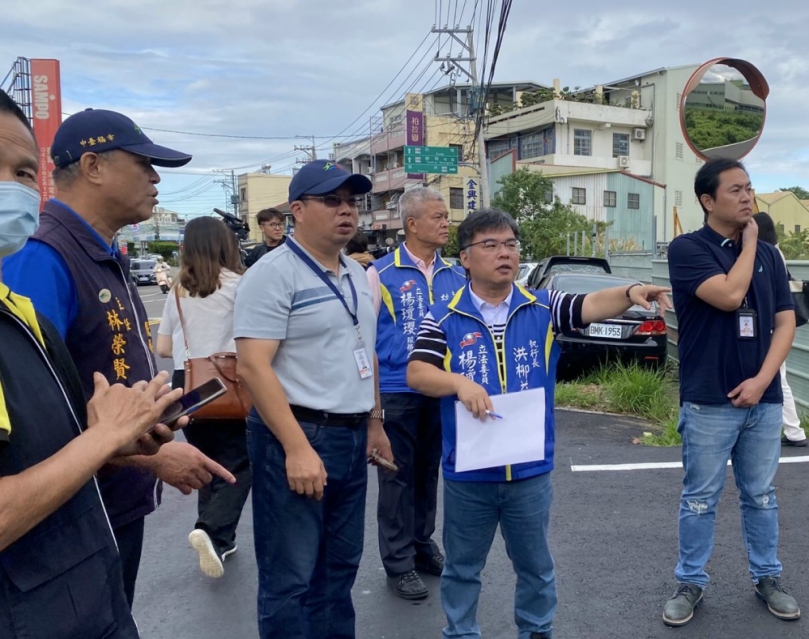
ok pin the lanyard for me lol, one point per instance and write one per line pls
(337, 292)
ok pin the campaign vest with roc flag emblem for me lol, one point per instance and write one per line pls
(406, 298)
(525, 359)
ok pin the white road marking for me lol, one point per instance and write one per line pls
(584, 468)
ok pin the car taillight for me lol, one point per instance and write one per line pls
(652, 327)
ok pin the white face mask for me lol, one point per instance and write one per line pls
(19, 216)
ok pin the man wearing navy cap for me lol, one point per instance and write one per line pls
(305, 330)
(74, 274)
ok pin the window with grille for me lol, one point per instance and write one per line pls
(537, 144)
(579, 196)
(678, 150)
(797, 228)
(679, 99)
(633, 201)
(620, 144)
(678, 198)
(549, 196)
(582, 142)
(456, 199)
(610, 199)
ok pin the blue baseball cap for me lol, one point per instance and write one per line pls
(321, 177)
(97, 130)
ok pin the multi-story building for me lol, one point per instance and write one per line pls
(631, 125)
(790, 214)
(446, 122)
(259, 191)
(164, 225)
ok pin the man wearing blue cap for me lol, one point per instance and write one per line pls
(305, 330)
(72, 271)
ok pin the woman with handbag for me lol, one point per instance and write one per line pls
(197, 331)
(793, 433)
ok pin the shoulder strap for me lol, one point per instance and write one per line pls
(182, 320)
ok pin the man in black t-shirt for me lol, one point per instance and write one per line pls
(736, 323)
(271, 222)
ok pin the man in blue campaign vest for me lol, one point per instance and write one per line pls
(495, 337)
(404, 284)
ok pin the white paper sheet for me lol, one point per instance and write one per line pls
(517, 438)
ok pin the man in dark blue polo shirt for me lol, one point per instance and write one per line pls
(736, 323)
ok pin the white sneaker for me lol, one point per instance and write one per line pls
(209, 562)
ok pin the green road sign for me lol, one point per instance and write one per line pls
(430, 159)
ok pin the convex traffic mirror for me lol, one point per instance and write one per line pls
(722, 109)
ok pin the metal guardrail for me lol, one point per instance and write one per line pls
(643, 268)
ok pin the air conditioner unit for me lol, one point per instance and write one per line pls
(623, 161)
(639, 134)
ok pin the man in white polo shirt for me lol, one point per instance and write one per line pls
(305, 330)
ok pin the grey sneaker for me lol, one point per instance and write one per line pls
(779, 603)
(679, 610)
(408, 586)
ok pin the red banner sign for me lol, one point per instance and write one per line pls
(46, 97)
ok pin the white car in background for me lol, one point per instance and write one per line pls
(524, 271)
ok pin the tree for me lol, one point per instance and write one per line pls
(800, 193)
(451, 248)
(543, 225)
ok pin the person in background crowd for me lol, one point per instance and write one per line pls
(161, 271)
(494, 337)
(793, 435)
(271, 223)
(60, 571)
(404, 284)
(76, 277)
(732, 298)
(209, 274)
(305, 330)
(357, 250)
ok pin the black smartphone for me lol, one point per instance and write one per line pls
(193, 400)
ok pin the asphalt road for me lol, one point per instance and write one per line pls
(613, 536)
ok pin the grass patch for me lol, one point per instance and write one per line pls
(629, 389)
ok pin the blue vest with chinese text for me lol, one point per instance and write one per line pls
(526, 360)
(406, 298)
(111, 335)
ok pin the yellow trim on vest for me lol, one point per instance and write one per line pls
(548, 346)
(397, 257)
(22, 308)
(448, 361)
(387, 300)
(508, 473)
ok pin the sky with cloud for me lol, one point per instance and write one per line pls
(277, 69)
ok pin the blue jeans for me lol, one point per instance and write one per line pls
(308, 551)
(472, 511)
(751, 438)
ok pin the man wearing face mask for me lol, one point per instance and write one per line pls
(60, 573)
(75, 276)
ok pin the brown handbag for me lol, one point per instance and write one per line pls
(235, 403)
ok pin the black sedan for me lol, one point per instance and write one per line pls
(637, 335)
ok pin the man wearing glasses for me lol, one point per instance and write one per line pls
(495, 337)
(271, 223)
(305, 330)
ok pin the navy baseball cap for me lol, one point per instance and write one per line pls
(97, 130)
(321, 177)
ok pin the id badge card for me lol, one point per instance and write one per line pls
(363, 361)
(746, 323)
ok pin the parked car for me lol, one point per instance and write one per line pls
(637, 335)
(452, 260)
(566, 264)
(526, 268)
(142, 271)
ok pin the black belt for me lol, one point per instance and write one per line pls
(322, 418)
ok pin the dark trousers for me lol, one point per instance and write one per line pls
(219, 504)
(308, 551)
(407, 499)
(129, 538)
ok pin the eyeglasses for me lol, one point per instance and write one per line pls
(492, 246)
(334, 201)
(272, 225)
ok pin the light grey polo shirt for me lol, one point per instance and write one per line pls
(280, 298)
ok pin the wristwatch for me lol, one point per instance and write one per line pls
(377, 413)
(630, 287)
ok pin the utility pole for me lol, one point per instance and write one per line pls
(472, 74)
(311, 151)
